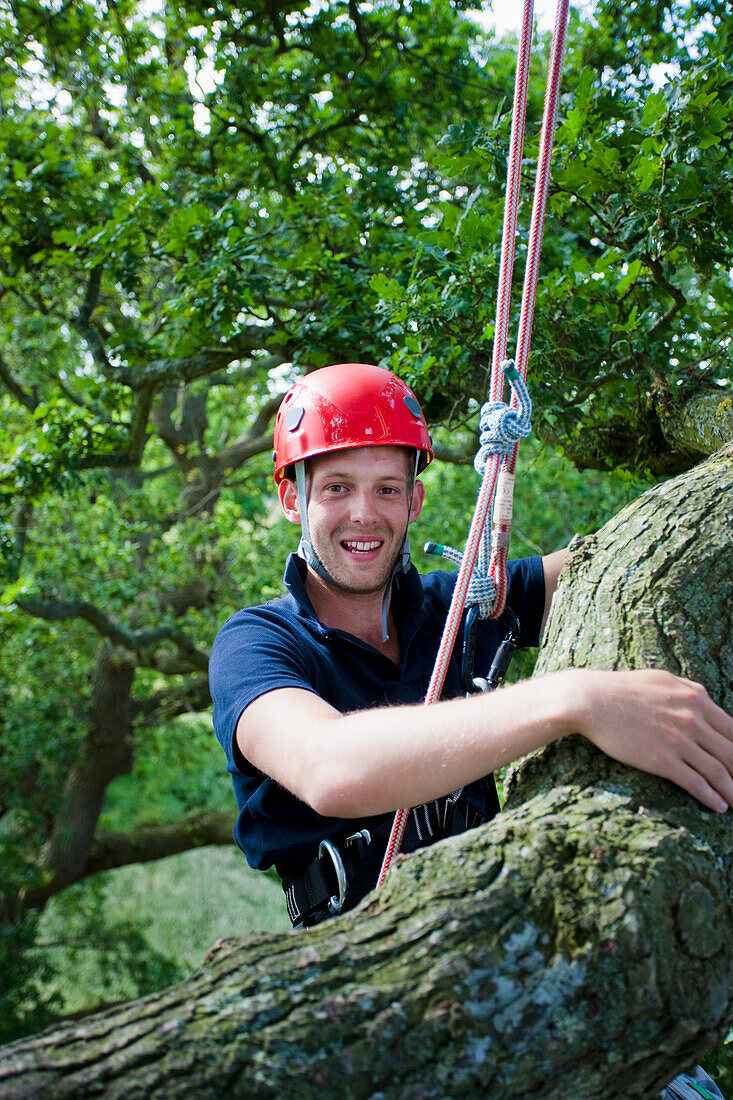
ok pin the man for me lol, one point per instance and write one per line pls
(318, 696)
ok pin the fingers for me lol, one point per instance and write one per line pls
(687, 738)
(702, 755)
(705, 778)
(712, 758)
(719, 719)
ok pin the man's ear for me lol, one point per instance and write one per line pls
(418, 499)
(288, 493)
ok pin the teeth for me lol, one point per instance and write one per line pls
(363, 546)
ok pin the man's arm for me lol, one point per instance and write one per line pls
(551, 566)
(379, 760)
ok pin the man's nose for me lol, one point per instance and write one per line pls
(363, 506)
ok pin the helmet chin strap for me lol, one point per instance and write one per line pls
(400, 566)
(305, 547)
(309, 556)
(403, 562)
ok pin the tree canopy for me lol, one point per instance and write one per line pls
(631, 339)
(198, 203)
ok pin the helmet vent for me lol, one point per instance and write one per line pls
(413, 405)
(293, 417)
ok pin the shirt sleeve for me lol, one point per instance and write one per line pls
(526, 597)
(253, 653)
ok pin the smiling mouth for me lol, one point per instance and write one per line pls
(362, 546)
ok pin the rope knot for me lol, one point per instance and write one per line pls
(502, 425)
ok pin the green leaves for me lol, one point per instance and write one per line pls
(633, 304)
(199, 206)
(388, 289)
(655, 108)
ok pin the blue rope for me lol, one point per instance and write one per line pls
(500, 427)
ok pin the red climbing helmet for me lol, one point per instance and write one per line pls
(348, 405)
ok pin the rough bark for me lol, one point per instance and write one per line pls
(576, 947)
(702, 425)
(667, 436)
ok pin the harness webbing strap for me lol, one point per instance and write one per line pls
(499, 461)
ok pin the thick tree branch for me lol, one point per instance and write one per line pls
(169, 702)
(138, 643)
(104, 754)
(21, 524)
(151, 842)
(81, 320)
(256, 440)
(138, 432)
(175, 369)
(190, 410)
(455, 457)
(91, 296)
(361, 33)
(703, 424)
(577, 946)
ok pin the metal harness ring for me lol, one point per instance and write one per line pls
(335, 904)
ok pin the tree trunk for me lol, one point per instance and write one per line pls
(701, 425)
(576, 947)
(105, 753)
(666, 437)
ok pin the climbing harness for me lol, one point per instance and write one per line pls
(483, 561)
(346, 869)
(320, 892)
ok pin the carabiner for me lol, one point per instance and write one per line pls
(335, 904)
(468, 652)
(502, 657)
(504, 653)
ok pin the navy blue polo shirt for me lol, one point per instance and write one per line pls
(282, 644)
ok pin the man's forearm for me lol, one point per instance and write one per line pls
(379, 760)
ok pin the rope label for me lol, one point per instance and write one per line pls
(504, 500)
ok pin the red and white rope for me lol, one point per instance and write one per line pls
(502, 523)
(498, 463)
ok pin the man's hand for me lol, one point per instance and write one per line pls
(663, 724)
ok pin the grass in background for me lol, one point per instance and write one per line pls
(137, 929)
(140, 928)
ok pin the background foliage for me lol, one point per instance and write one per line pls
(197, 203)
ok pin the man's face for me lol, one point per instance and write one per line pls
(360, 502)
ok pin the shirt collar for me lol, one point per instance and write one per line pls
(407, 588)
(294, 578)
